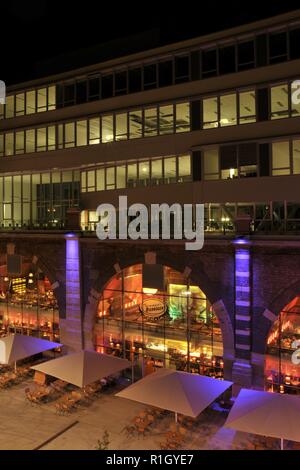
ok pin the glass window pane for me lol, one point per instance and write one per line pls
(183, 117)
(30, 102)
(69, 134)
(170, 170)
(91, 180)
(19, 142)
(296, 157)
(166, 119)
(94, 131)
(100, 179)
(131, 175)
(81, 133)
(107, 129)
(150, 122)
(210, 113)
(30, 141)
(211, 164)
(51, 98)
(157, 171)
(121, 126)
(41, 140)
(295, 90)
(135, 124)
(281, 158)
(83, 182)
(20, 104)
(121, 177)
(144, 172)
(247, 107)
(60, 136)
(1, 111)
(279, 102)
(184, 167)
(1, 145)
(10, 106)
(228, 110)
(9, 144)
(41, 100)
(51, 138)
(110, 178)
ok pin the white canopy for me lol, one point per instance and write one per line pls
(16, 347)
(268, 414)
(83, 368)
(181, 392)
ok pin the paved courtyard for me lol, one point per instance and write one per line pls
(26, 426)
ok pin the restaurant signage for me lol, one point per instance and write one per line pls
(153, 308)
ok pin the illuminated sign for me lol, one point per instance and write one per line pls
(153, 308)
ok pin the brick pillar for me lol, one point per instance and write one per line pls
(71, 326)
(242, 370)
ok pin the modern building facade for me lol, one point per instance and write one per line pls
(212, 120)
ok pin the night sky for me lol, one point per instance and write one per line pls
(40, 31)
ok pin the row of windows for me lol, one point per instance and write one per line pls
(148, 122)
(142, 173)
(237, 56)
(251, 159)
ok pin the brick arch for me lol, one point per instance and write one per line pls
(197, 277)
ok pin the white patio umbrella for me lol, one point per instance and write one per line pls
(16, 347)
(180, 392)
(83, 368)
(268, 414)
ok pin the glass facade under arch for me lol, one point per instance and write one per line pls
(282, 365)
(175, 328)
(27, 304)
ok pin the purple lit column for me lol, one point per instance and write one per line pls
(72, 327)
(242, 370)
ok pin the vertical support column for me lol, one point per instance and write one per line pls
(71, 331)
(242, 370)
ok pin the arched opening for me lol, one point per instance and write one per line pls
(27, 303)
(282, 365)
(174, 328)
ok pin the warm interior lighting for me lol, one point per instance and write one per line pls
(30, 275)
(149, 290)
(231, 172)
(6, 279)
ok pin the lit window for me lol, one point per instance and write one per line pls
(1, 111)
(166, 119)
(91, 180)
(81, 133)
(51, 98)
(100, 179)
(107, 129)
(281, 158)
(296, 98)
(41, 139)
(94, 131)
(10, 106)
(30, 102)
(121, 177)
(247, 112)
(183, 117)
(1, 145)
(228, 110)
(150, 122)
(121, 126)
(184, 168)
(296, 157)
(170, 170)
(131, 175)
(144, 173)
(60, 136)
(228, 161)
(211, 164)
(110, 178)
(51, 138)
(279, 102)
(83, 181)
(9, 144)
(69, 134)
(19, 142)
(135, 124)
(210, 113)
(42, 100)
(156, 172)
(20, 102)
(30, 141)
